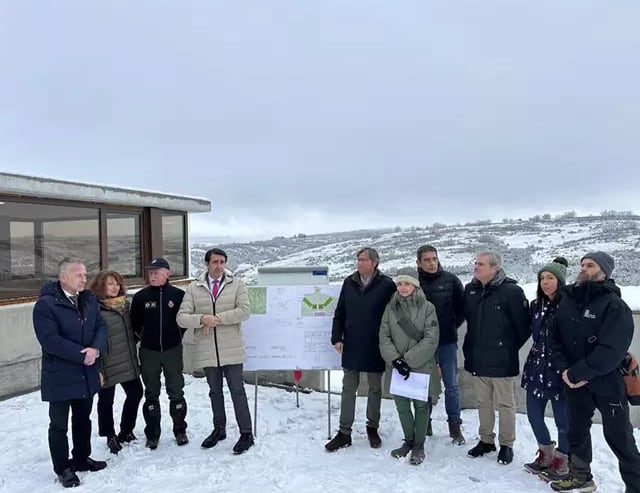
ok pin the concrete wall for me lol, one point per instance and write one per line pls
(19, 350)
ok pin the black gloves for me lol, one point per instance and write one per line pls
(401, 365)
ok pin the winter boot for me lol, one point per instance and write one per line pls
(403, 450)
(113, 444)
(374, 439)
(558, 469)
(337, 442)
(151, 413)
(417, 454)
(244, 443)
(543, 460)
(505, 456)
(178, 412)
(217, 435)
(456, 434)
(573, 485)
(127, 437)
(480, 449)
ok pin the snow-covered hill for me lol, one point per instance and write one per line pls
(525, 246)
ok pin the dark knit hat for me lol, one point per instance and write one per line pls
(604, 260)
(558, 268)
(407, 275)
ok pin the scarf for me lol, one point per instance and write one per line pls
(118, 303)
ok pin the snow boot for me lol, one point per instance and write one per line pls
(543, 460)
(151, 413)
(480, 449)
(339, 441)
(113, 444)
(573, 485)
(374, 439)
(457, 438)
(403, 450)
(417, 454)
(558, 469)
(178, 412)
(505, 456)
(127, 437)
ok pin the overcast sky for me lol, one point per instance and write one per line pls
(325, 115)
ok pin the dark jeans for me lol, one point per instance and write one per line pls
(233, 375)
(448, 361)
(153, 364)
(133, 391)
(618, 433)
(535, 413)
(80, 432)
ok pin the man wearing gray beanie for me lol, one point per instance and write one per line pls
(590, 337)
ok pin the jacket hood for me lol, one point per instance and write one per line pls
(228, 277)
(416, 298)
(53, 288)
(499, 279)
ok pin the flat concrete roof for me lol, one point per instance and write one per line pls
(43, 187)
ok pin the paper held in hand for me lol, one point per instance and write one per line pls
(415, 387)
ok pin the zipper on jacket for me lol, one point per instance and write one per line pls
(215, 331)
(161, 320)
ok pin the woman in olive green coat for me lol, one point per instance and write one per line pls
(409, 336)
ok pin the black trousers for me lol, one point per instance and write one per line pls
(618, 433)
(133, 391)
(80, 432)
(233, 374)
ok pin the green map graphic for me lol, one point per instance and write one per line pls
(257, 300)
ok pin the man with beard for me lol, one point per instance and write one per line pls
(355, 335)
(497, 314)
(589, 339)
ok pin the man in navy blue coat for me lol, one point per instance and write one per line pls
(72, 334)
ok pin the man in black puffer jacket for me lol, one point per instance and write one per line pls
(153, 316)
(589, 338)
(355, 334)
(445, 291)
(497, 314)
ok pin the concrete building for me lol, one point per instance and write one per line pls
(42, 220)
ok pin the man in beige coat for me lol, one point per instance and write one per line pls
(213, 307)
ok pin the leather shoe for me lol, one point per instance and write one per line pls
(68, 478)
(89, 465)
(217, 435)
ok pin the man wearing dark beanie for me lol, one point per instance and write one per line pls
(589, 339)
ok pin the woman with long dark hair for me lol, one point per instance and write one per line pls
(543, 381)
(120, 365)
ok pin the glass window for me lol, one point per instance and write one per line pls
(173, 241)
(35, 237)
(124, 244)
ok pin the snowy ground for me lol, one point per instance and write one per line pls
(288, 456)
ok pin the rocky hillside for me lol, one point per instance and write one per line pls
(525, 247)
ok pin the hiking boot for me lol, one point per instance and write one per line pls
(403, 450)
(114, 445)
(152, 443)
(542, 461)
(89, 465)
(182, 439)
(505, 456)
(127, 437)
(244, 443)
(417, 455)
(339, 441)
(68, 478)
(456, 434)
(558, 469)
(374, 439)
(480, 449)
(574, 485)
(217, 435)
